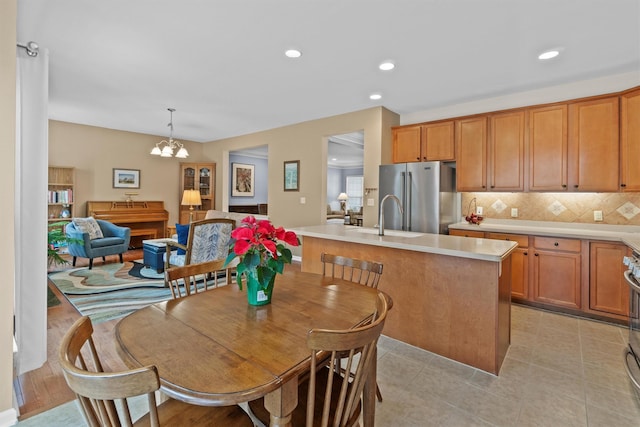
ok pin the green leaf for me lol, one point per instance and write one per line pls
(230, 258)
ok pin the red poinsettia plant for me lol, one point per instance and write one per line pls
(261, 249)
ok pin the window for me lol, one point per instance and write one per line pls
(355, 185)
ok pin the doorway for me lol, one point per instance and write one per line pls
(248, 180)
(345, 176)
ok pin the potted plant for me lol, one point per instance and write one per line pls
(262, 252)
(57, 237)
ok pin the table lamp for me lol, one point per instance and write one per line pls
(343, 201)
(191, 198)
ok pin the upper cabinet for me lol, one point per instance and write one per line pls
(471, 154)
(201, 177)
(583, 145)
(424, 143)
(630, 141)
(548, 148)
(593, 145)
(506, 151)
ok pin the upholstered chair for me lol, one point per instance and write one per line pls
(99, 241)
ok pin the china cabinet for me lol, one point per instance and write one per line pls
(201, 177)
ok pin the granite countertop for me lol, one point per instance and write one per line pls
(628, 234)
(462, 247)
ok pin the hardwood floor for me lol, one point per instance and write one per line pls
(45, 388)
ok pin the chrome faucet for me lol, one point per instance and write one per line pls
(381, 212)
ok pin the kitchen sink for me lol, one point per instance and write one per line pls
(395, 233)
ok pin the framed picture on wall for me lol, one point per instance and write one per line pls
(126, 178)
(242, 180)
(292, 175)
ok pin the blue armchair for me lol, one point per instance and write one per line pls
(115, 241)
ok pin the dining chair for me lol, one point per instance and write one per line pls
(327, 397)
(207, 240)
(103, 396)
(181, 279)
(354, 270)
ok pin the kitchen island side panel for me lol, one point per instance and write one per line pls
(456, 307)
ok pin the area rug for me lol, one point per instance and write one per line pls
(113, 290)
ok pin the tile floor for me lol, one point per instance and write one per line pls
(559, 371)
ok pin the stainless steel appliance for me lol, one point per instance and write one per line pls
(632, 353)
(427, 191)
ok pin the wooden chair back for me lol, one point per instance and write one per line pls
(340, 402)
(183, 281)
(98, 391)
(354, 270)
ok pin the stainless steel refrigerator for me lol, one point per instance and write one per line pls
(427, 191)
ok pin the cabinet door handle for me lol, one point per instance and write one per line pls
(418, 158)
(556, 244)
(623, 185)
(575, 186)
(525, 253)
(535, 254)
(564, 185)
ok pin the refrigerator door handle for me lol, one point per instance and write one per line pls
(408, 201)
(404, 198)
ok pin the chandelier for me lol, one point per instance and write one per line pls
(171, 145)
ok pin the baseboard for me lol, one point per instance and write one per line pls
(296, 258)
(8, 418)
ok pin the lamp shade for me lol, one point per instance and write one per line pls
(343, 196)
(191, 198)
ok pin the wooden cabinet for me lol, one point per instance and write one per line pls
(431, 142)
(506, 151)
(60, 193)
(608, 291)
(201, 177)
(466, 233)
(407, 144)
(630, 141)
(593, 145)
(556, 271)
(519, 263)
(548, 148)
(438, 142)
(471, 154)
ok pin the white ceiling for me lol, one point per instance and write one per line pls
(120, 63)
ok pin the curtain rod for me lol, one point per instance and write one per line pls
(31, 48)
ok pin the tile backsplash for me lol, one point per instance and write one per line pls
(617, 208)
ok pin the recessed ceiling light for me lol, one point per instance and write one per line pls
(387, 66)
(551, 53)
(375, 96)
(293, 53)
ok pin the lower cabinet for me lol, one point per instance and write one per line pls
(519, 264)
(548, 271)
(556, 271)
(608, 292)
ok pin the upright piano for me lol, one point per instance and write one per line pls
(147, 220)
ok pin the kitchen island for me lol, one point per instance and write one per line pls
(451, 295)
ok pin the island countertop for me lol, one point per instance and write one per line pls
(462, 247)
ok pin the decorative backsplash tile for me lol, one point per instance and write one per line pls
(617, 208)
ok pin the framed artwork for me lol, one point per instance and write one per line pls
(126, 178)
(242, 180)
(292, 175)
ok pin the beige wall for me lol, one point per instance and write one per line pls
(307, 142)
(8, 12)
(94, 152)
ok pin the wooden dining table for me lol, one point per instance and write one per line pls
(214, 349)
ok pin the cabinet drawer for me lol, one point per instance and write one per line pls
(467, 233)
(522, 241)
(556, 244)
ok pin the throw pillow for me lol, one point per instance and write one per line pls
(183, 235)
(89, 225)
